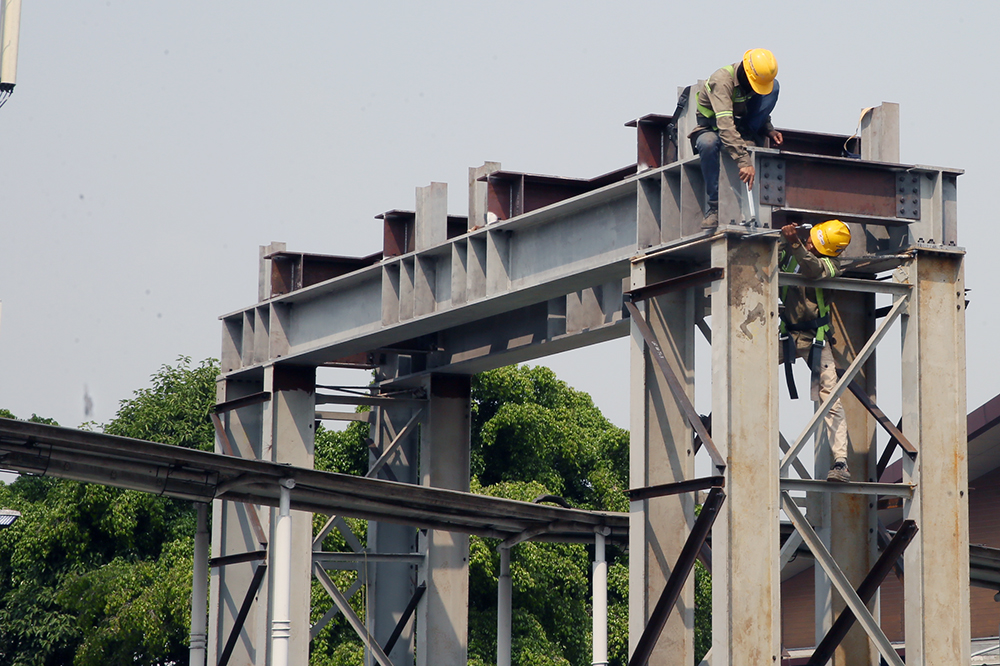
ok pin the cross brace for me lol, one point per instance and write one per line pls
(675, 386)
(241, 617)
(866, 591)
(682, 569)
(839, 580)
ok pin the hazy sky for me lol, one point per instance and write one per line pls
(149, 148)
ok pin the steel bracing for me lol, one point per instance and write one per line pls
(543, 264)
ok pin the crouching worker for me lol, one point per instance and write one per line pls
(806, 329)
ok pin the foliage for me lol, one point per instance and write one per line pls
(92, 575)
(95, 575)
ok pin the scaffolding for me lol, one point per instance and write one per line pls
(541, 265)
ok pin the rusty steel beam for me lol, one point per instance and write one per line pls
(845, 188)
(665, 489)
(683, 282)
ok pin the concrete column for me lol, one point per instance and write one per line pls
(746, 618)
(936, 588)
(853, 518)
(199, 589)
(289, 437)
(391, 584)
(661, 451)
(443, 613)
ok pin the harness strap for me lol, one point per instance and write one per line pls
(789, 352)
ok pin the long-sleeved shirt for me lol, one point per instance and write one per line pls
(800, 303)
(723, 96)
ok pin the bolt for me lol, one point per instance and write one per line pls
(779, 176)
(779, 165)
(914, 202)
(914, 179)
(902, 211)
(902, 200)
(767, 197)
(781, 199)
(902, 190)
(914, 190)
(767, 175)
(779, 188)
(767, 186)
(766, 163)
(916, 212)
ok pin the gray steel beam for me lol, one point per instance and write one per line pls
(936, 613)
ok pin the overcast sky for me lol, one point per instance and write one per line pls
(150, 147)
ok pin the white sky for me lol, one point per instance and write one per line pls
(149, 148)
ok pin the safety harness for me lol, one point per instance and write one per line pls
(709, 114)
(821, 326)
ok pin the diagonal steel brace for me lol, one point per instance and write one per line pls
(241, 617)
(838, 390)
(675, 386)
(904, 535)
(678, 577)
(839, 580)
(345, 607)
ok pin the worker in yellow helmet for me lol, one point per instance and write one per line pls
(734, 109)
(806, 328)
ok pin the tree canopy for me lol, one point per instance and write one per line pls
(94, 575)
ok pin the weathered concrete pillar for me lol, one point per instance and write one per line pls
(443, 612)
(746, 582)
(936, 587)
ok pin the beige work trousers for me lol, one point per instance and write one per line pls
(835, 421)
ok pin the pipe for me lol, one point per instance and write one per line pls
(8, 43)
(281, 625)
(199, 590)
(503, 609)
(600, 601)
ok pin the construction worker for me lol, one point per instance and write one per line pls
(806, 329)
(734, 110)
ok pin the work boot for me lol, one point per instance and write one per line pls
(711, 219)
(839, 472)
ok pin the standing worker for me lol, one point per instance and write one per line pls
(805, 323)
(735, 108)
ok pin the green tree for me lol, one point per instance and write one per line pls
(93, 575)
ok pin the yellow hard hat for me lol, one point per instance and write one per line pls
(830, 238)
(761, 68)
